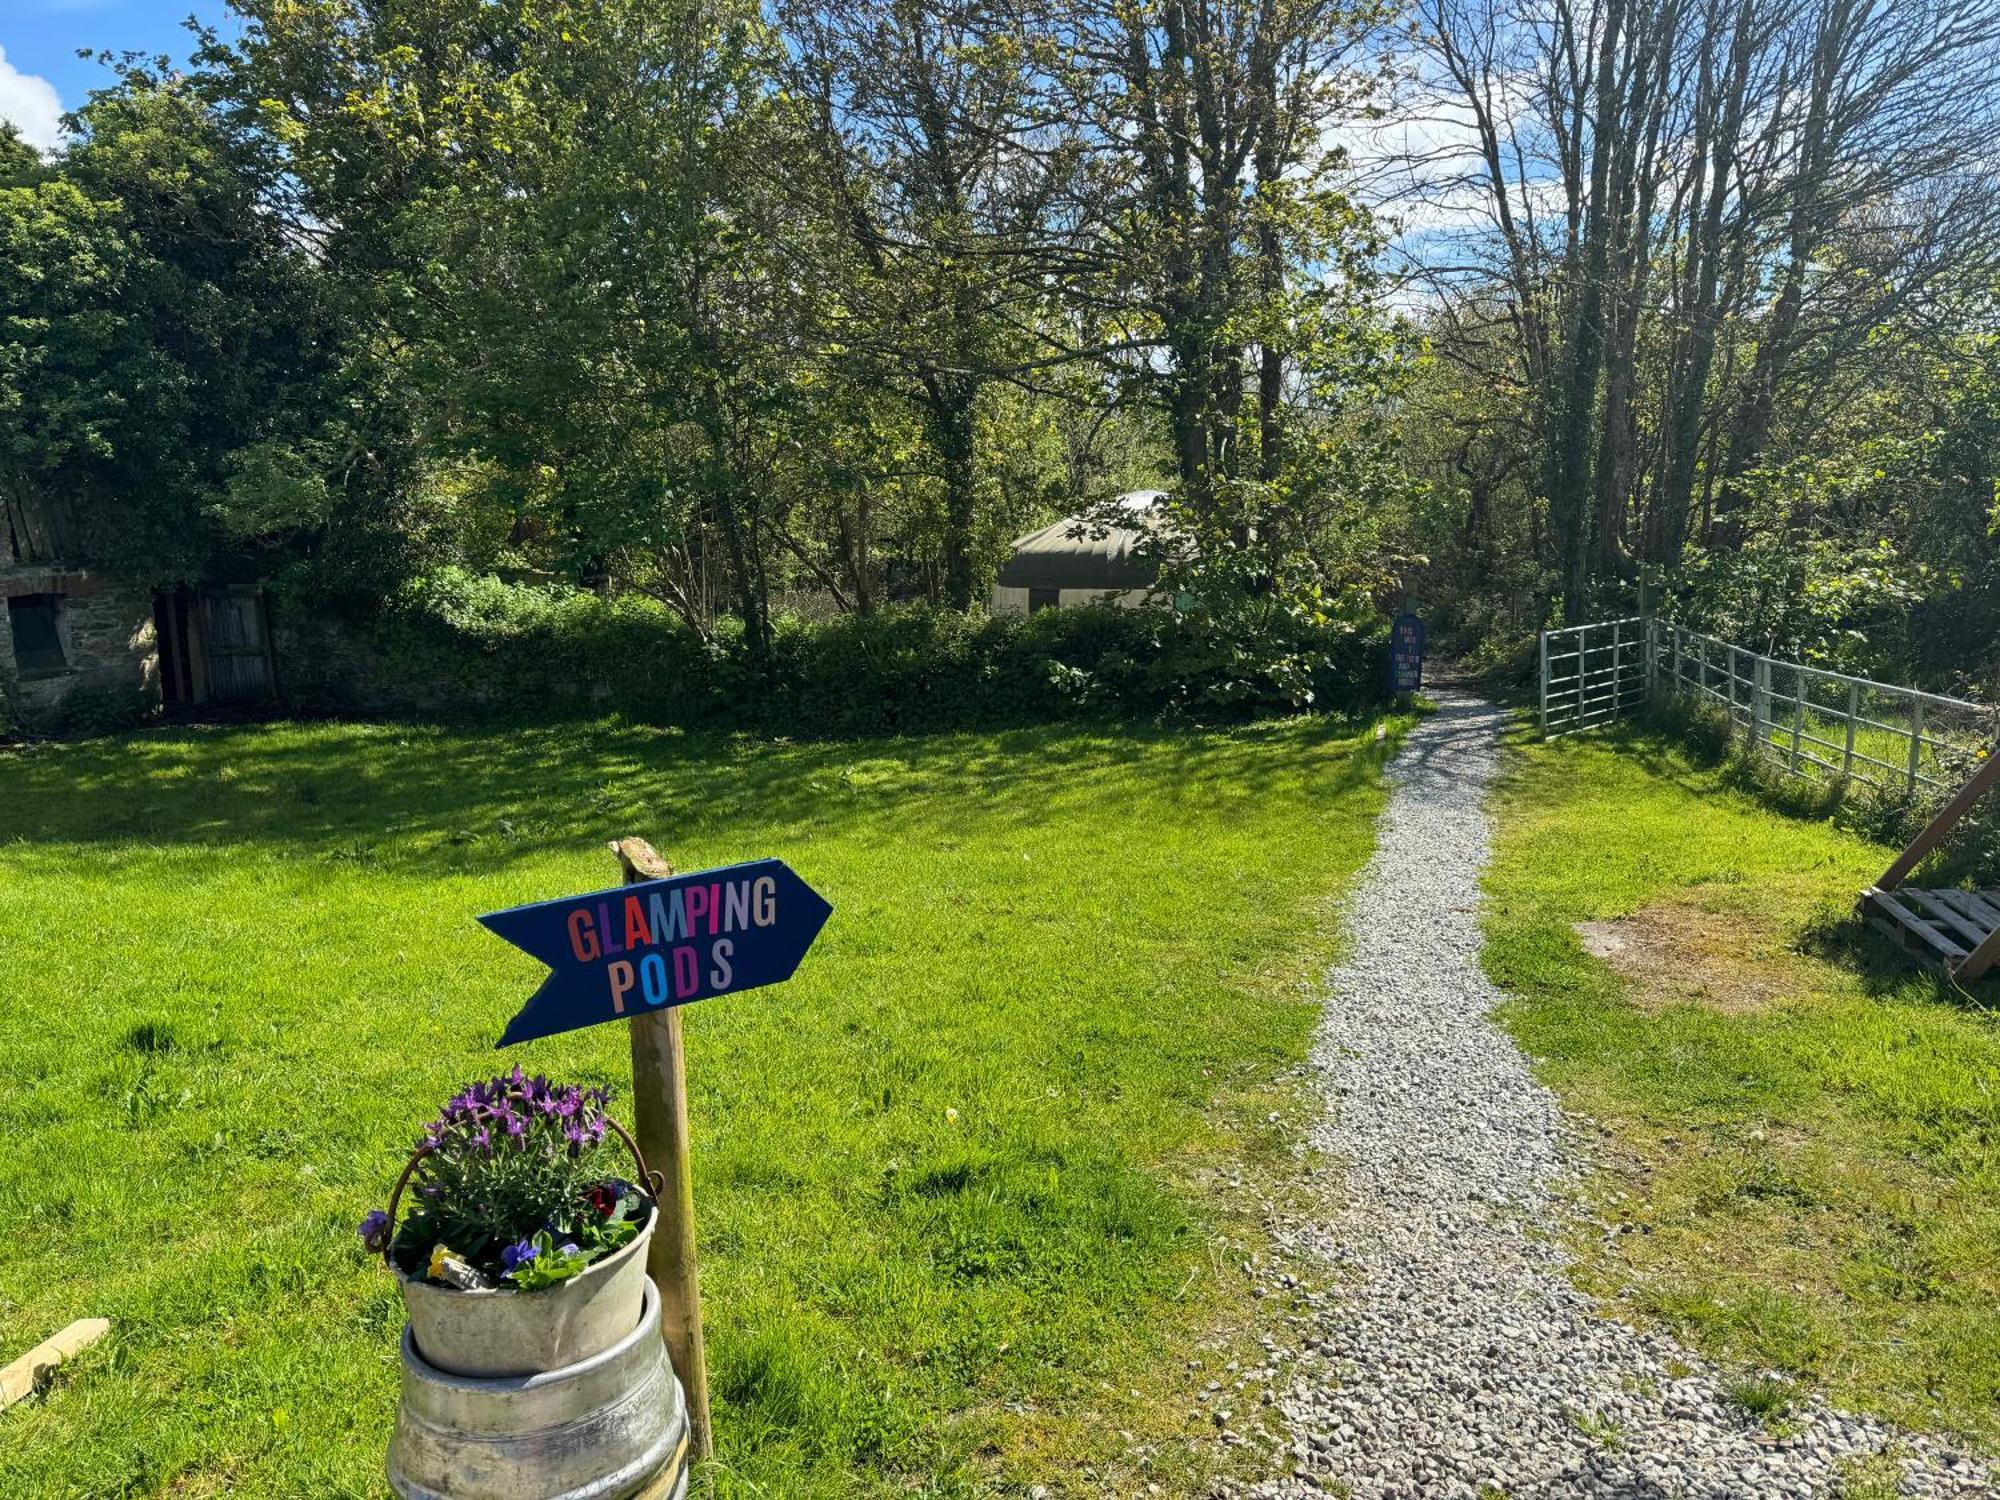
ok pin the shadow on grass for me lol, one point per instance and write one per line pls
(420, 797)
(1882, 968)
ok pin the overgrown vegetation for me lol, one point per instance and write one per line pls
(1799, 1130)
(959, 1216)
(467, 646)
(742, 309)
(724, 306)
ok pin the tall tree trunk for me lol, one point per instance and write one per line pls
(1751, 430)
(1719, 114)
(1269, 161)
(1571, 447)
(949, 401)
(747, 571)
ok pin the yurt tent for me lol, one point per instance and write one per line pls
(1080, 560)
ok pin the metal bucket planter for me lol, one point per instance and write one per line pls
(611, 1427)
(505, 1332)
(499, 1331)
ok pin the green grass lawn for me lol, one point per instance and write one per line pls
(1802, 1132)
(953, 1232)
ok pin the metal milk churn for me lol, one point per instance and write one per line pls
(610, 1427)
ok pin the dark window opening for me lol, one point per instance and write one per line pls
(38, 648)
(1040, 599)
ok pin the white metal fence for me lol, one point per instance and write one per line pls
(1811, 721)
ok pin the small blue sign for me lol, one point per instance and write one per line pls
(1406, 654)
(637, 948)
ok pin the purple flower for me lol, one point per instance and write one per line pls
(518, 1254)
(374, 1230)
(568, 1247)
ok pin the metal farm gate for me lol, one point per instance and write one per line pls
(1593, 674)
(1819, 723)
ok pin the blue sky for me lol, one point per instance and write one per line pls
(40, 73)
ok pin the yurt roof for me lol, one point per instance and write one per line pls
(1071, 553)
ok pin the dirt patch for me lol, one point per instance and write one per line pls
(1688, 952)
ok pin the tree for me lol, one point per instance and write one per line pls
(539, 211)
(1692, 224)
(163, 346)
(1235, 292)
(941, 169)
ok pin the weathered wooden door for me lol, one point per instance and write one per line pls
(236, 644)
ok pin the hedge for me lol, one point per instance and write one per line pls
(457, 646)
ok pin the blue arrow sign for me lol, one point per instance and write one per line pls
(639, 948)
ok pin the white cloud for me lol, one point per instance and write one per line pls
(31, 103)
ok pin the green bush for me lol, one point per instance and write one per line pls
(454, 645)
(1706, 730)
(95, 708)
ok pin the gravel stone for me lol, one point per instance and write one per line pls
(1458, 1358)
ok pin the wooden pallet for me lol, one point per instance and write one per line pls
(1956, 931)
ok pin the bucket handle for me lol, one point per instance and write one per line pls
(652, 1181)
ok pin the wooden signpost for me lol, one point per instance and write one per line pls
(639, 952)
(1406, 655)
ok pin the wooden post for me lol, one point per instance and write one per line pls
(1545, 684)
(660, 1124)
(1983, 780)
(1582, 677)
(1680, 675)
(19, 1378)
(1760, 705)
(1732, 689)
(1798, 715)
(197, 647)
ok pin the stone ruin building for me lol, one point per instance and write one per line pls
(75, 641)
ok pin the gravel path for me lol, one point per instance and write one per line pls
(1457, 1360)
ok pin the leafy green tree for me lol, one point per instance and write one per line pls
(162, 346)
(1240, 275)
(941, 183)
(531, 207)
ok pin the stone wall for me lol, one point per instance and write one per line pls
(111, 659)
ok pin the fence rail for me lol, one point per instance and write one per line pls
(1812, 721)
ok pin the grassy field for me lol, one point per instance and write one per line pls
(1803, 1133)
(954, 1224)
